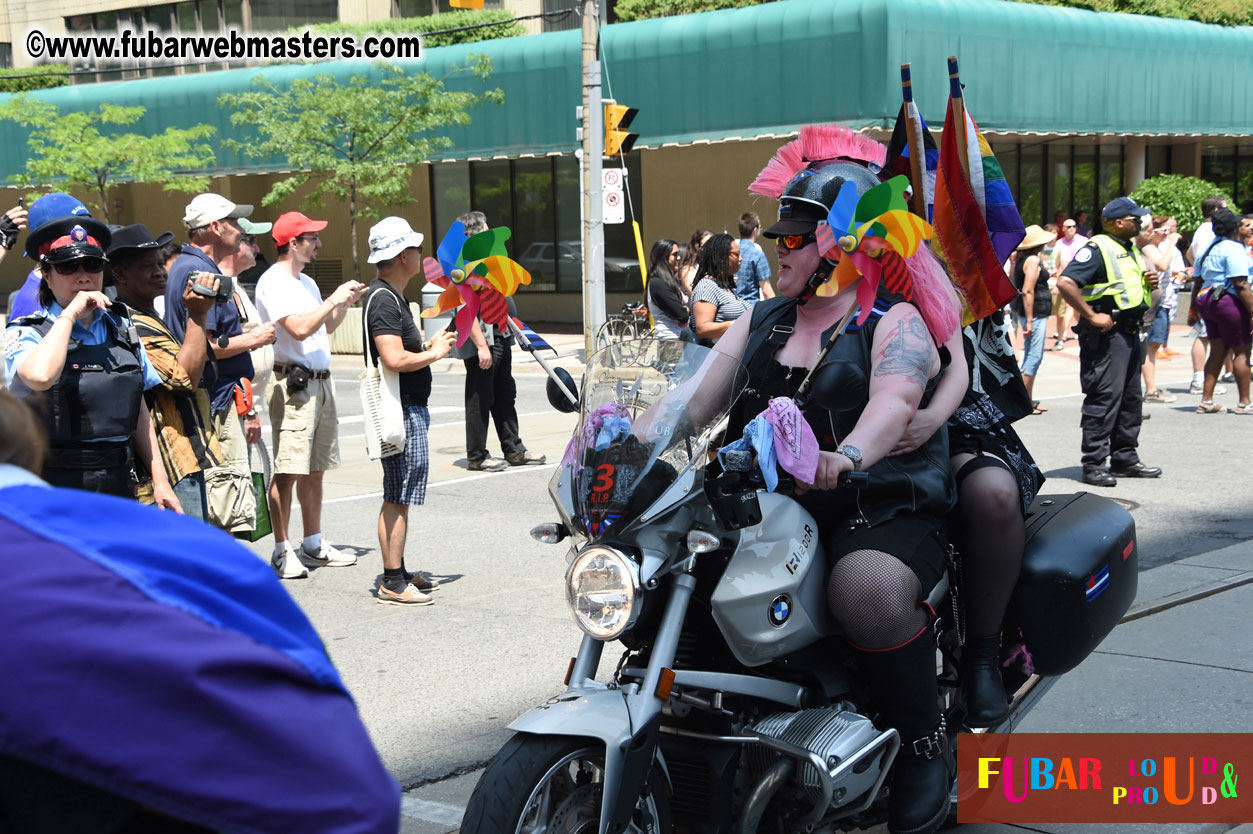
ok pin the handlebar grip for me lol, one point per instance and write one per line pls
(856, 480)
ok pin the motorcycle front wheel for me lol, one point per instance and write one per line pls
(554, 785)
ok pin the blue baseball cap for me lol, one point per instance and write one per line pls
(54, 206)
(1122, 207)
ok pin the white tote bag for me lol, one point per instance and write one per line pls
(380, 401)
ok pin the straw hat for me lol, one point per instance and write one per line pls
(1036, 237)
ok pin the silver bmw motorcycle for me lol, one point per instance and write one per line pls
(734, 704)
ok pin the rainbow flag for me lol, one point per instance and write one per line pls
(976, 221)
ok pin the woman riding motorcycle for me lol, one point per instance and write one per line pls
(883, 538)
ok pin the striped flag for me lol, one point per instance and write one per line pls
(531, 341)
(976, 222)
(898, 153)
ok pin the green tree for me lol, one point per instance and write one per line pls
(505, 26)
(1179, 197)
(22, 79)
(642, 9)
(1226, 12)
(354, 140)
(71, 149)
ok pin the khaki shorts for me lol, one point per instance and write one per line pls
(1059, 305)
(305, 428)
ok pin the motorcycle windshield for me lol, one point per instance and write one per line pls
(647, 412)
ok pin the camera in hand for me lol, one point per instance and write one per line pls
(226, 285)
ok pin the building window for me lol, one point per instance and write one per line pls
(540, 201)
(6, 55)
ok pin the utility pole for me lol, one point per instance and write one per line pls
(593, 210)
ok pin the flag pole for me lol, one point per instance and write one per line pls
(914, 141)
(959, 113)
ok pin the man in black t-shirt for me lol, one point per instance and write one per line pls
(393, 338)
(491, 393)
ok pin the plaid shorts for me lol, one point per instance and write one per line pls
(404, 475)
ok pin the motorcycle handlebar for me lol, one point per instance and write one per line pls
(787, 484)
(856, 480)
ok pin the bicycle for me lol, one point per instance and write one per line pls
(622, 328)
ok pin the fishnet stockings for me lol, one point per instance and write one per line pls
(875, 597)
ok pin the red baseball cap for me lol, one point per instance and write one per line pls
(292, 225)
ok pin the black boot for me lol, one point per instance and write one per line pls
(906, 694)
(986, 704)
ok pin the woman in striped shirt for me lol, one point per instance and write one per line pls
(714, 302)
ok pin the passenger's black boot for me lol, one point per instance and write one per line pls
(905, 692)
(986, 704)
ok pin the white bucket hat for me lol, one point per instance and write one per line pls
(391, 236)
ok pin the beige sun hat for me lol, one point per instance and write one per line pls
(1036, 237)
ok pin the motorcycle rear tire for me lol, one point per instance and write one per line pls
(506, 794)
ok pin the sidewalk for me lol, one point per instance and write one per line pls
(1174, 671)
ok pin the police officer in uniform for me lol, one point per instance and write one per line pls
(81, 364)
(1106, 283)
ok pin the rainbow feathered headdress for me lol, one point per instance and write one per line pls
(867, 233)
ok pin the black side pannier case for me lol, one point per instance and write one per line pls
(1078, 577)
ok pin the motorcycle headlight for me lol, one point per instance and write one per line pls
(603, 588)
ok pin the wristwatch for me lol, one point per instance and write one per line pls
(853, 454)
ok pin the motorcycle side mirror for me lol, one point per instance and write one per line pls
(558, 398)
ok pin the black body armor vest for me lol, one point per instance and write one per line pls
(99, 391)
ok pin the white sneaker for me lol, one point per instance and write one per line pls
(326, 556)
(1196, 388)
(287, 565)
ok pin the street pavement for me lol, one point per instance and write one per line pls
(437, 685)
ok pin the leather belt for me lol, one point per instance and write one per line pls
(282, 369)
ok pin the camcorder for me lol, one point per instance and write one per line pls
(226, 285)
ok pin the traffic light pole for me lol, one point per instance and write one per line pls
(593, 209)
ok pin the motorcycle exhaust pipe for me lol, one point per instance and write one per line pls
(761, 794)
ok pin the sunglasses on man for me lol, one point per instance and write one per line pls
(794, 242)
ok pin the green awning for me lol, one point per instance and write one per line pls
(769, 69)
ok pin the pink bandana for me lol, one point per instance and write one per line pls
(794, 441)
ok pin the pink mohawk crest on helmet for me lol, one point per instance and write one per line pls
(786, 163)
(816, 143)
(819, 142)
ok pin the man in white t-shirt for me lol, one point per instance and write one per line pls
(301, 395)
(1204, 234)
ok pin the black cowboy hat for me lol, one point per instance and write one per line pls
(131, 241)
(76, 237)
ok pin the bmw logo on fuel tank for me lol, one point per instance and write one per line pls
(780, 610)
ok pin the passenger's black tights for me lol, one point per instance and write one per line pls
(992, 543)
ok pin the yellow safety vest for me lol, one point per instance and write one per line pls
(1124, 275)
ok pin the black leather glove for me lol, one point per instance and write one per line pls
(8, 232)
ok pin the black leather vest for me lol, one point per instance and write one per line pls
(920, 482)
(98, 393)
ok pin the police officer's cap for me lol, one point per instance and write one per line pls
(1122, 207)
(68, 239)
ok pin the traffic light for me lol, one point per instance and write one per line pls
(618, 117)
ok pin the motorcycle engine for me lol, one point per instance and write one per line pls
(836, 735)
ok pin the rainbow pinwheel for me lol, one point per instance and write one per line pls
(859, 232)
(476, 273)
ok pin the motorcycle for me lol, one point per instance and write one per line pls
(736, 705)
